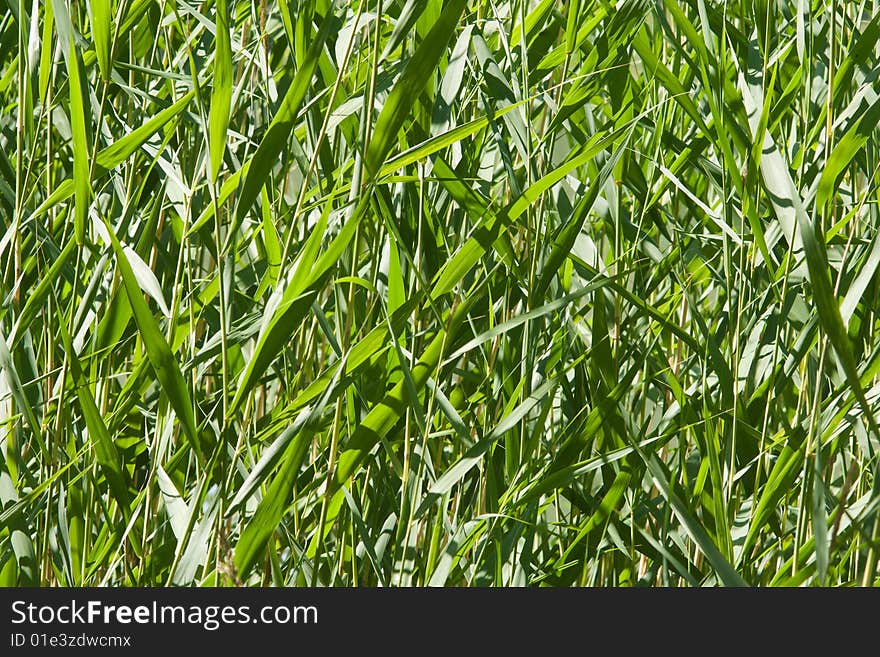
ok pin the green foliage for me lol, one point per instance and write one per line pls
(440, 292)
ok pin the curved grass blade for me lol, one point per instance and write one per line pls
(406, 91)
(161, 358)
(845, 151)
(101, 29)
(268, 515)
(117, 152)
(275, 139)
(384, 416)
(221, 96)
(82, 188)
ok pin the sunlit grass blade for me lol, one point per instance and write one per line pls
(161, 358)
(221, 95)
(81, 165)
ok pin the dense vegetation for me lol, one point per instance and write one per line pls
(405, 292)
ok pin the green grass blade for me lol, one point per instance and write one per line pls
(404, 96)
(161, 358)
(101, 34)
(275, 139)
(221, 95)
(81, 165)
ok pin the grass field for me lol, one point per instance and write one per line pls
(424, 292)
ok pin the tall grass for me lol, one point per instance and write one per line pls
(413, 292)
